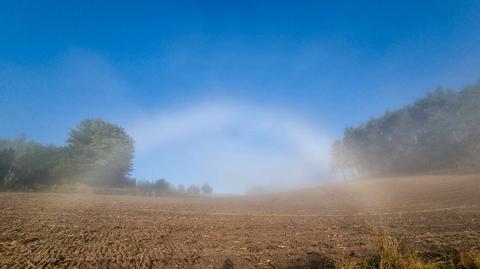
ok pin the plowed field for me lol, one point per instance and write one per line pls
(431, 214)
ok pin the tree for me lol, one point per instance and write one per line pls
(100, 153)
(7, 156)
(438, 131)
(180, 188)
(193, 190)
(207, 189)
(36, 165)
(161, 186)
(144, 185)
(26, 164)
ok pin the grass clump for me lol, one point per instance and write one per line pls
(470, 259)
(390, 254)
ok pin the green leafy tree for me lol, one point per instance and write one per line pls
(36, 165)
(100, 153)
(440, 131)
(27, 163)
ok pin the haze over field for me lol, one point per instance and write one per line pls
(240, 134)
(237, 147)
(239, 95)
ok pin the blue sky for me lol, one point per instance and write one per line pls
(229, 92)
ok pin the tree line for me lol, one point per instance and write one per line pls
(440, 131)
(162, 186)
(97, 154)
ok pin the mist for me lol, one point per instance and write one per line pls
(236, 147)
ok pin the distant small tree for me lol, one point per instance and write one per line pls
(193, 190)
(161, 185)
(207, 189)
(144, 185)
(130, 182)
(181, 188)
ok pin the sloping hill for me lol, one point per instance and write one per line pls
(430, 214)
(395, 194)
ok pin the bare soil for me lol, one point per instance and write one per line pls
(431, 214)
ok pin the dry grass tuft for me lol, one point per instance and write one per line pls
(470, 259)
(391, 255)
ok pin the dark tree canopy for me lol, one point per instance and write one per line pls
(439, 131)
(27, 163)
(97, 153)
